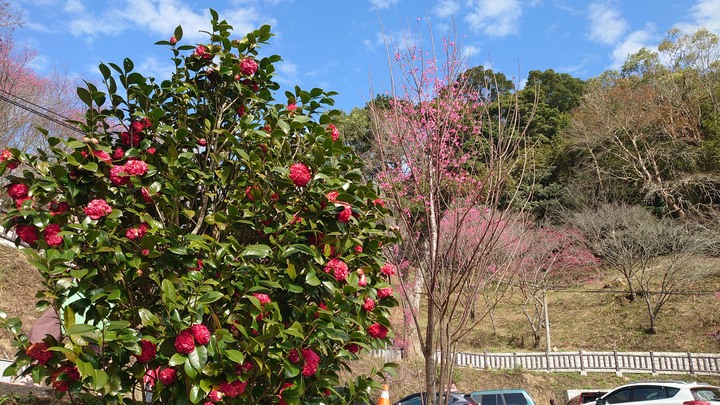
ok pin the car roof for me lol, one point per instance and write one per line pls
(508, 391)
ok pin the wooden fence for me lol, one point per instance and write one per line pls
(582, 361)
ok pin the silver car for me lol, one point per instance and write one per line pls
(662, 393)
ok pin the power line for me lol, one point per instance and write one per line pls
(35, 111)
(32, 104)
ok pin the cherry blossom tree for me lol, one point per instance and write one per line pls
(446, 169)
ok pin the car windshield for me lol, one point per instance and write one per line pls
(706, 393)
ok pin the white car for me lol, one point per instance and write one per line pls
(662, 393)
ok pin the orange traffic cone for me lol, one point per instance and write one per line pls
(385, 396)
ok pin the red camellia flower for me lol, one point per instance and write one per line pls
(202, 142)
(148, 350)
(384, 292)
(202, 52)
(129, 139)
(20, 201)
(312, 361)
(167, 376)
(50, 233)
(300, 174)
(27, 233)
(97, 209)
(263, 298)
(71, 374)
(248, 66)
(216, 396)
(118, 154)
(369, 304)
(118, 177)
(378, 331)
(379, 202)
(102, 155)
(388, 269)
(352, 348)
(39, 351)
(145, 195)
(344, 215)
(151, 151)
(18, 190)
(294, 356)
(332, 196)
(232, 389)
(136, 167)
(57, 208)
(201, 333)
(286, 385)
(5, 155)
(358, 249)
(136, 126)
(184, 342)
(338, 268)
(334, 132)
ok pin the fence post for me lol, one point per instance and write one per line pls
(652, 363)
(690, 361)
(485, 360)
(617, 364)
(582, 364)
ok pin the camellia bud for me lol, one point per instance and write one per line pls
(173, 41)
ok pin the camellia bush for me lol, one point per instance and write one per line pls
(203, 242)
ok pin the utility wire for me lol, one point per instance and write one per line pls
(32, 104)
(36, 112)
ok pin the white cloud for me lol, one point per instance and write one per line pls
(606, 24)
(152, 67)
(159, 17)
(468, 51)
(74, 6)
(287, 73)
(446, 8)
(380, 4)
(494, 18)
(707, 15)
(631, 44)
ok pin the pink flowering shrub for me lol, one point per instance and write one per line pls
(206, 256)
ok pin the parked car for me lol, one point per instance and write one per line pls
(586, 397)
(420, 398)
(502, 397)
(662, 393)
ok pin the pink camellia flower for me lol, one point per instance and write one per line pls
(379, 202)
(118, 176)
(384, 292)
(102, 155)
(248, 66)
(173, 41)
(201, 333)
(132, 234)
(294, 356)
(202, 52)
(215, 396)
(202, 142)
(334, 132)
(148, 350)
(312, 361)
(185, 342)
(358, 249)
(18, 190)
(292, 107)
(97, 209)
(39, 351)
(263, 298)
(377, 331)
(388, 269)
(6, 155)
(300, 174)
(362, 280)
(151, 151)
(145, 252)
(338, 268)
(369, 304)
(332, 196)
(167, 376)
(50, 233)
(135, 167)
(27, 233)
(345, 214)
(232, 389)
(251, 85)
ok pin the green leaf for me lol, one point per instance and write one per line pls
(235, 356)
(198, 357)
(178, 34)
(297, 248)
(80, 328)
(311, 279)
(105, 71)
(85, 96)
(148, 318)
(169, 295)
(210, 297)
(190, 371)
(177, 359)
(128, 65)
(196, 394)
(256, 251)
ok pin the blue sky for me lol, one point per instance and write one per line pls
(337, 44)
